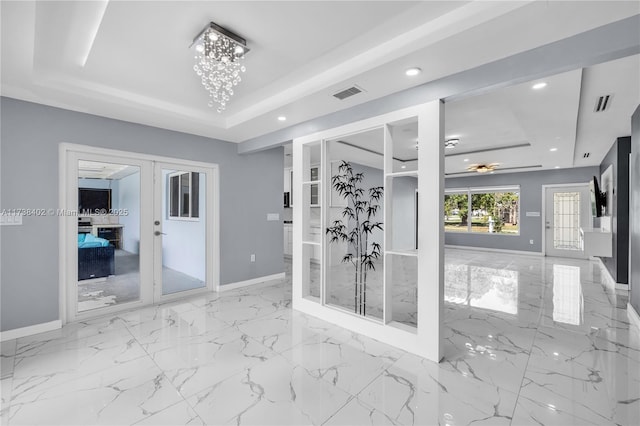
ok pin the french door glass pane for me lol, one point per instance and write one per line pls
(183, 236)
(566, 221)
(108, 234)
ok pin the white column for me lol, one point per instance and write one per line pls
(431, 230)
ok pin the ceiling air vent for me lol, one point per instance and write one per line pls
(586, 155)
(603, 103)
(347, 93)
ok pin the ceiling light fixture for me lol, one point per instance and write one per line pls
(553, 149)
(219, 62)
(482, 168)
(282, 118)
(539, 86)
(413, 71)
(466, 160)
(451, 143)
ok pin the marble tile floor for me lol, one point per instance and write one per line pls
(528, 340)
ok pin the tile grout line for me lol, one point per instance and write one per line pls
(533, 341)
(164, 374)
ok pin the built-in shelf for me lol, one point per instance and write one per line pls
(311, 182)
(399, 174)
(595, 242)
(312, 243)
(413, 253)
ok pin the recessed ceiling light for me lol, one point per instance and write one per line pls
(539, 86)
(413, 71)
(556, 167)
(553, 149)
(282, 118)
(465, 160)
(403, 167)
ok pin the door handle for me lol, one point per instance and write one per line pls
(159, 233)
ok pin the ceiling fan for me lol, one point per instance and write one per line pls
(483, 168)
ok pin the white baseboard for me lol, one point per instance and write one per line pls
(526, 253)
(634, 318)
(16, 333)
(609, 281)
(252, 281)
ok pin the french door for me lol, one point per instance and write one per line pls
(137, 230)
(566, 212)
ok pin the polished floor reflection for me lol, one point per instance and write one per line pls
(528, 340)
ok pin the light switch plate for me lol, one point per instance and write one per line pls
(10, 219)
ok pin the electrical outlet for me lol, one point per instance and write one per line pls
(530, 241)
(253, 257)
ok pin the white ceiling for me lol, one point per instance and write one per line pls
(519, 128)
(131, 61)
(100, 170)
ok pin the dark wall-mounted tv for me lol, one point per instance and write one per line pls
(596, 198)
(91, 200)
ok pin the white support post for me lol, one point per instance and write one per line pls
(431, 229)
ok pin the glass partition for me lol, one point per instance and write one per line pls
(355, 228)
(404, 135)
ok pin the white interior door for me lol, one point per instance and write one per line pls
(567, 209)
(183, 230)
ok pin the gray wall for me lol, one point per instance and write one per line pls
(530, 200)
(250, 187)
(634, 212)
(618, 158)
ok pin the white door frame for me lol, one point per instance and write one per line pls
(544, 208)
(67, 241)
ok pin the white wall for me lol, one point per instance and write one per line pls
(129, 198)
(183, 246)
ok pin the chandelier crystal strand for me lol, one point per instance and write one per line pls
(219, 65)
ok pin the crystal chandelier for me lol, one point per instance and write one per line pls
(219, 57)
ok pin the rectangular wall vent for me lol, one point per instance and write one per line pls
(347, 93)
(603, 103)
(586, 155)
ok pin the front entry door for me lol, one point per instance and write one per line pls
(566, 211)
